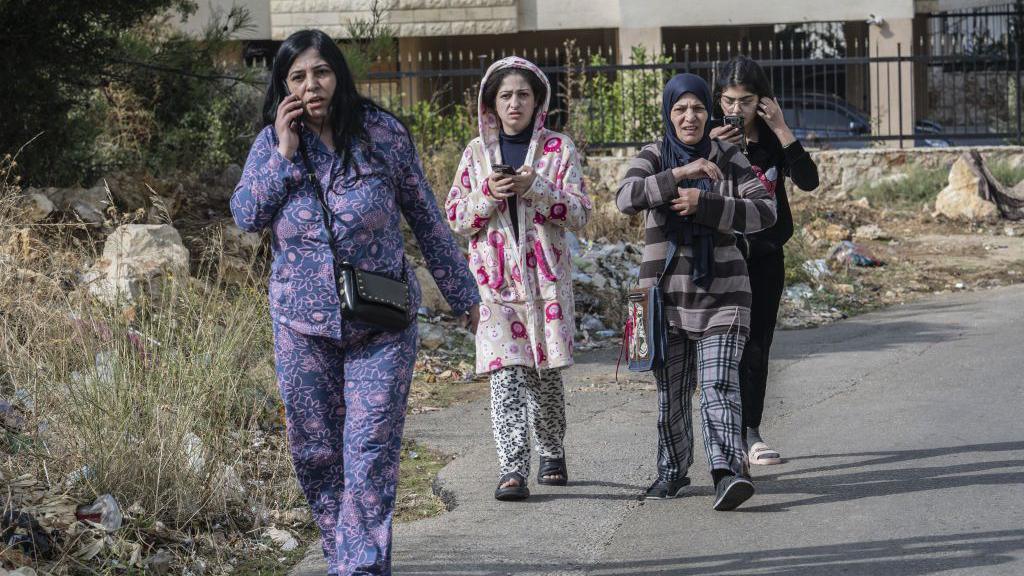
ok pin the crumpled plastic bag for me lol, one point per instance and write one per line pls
(853, 254)
(104, 512)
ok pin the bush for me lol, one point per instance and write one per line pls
(57, 52)
(434, 128)
(1007, 174)
(624, 108)
(920, 186)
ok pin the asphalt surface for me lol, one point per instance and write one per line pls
(904, 444)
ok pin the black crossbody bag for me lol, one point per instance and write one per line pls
(364, 296)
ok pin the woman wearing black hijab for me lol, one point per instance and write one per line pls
(696, 194)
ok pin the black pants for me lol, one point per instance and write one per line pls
(767, 271)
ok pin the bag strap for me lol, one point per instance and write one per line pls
(325, 210)
(669, 255)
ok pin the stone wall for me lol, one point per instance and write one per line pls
(408, 18)
(841, 171)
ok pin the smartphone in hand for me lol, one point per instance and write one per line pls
(503, 169)
(297, 123)
(737, 123)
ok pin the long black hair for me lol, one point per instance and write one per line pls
(347, 108)
(746, 72)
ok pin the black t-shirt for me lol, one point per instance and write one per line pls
(772, 163)
(513, 153)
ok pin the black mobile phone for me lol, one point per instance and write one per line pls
(737, 123)
(504, 169)
(297, 123)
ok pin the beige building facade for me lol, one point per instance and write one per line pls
(485, 28)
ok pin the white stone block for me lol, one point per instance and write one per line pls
(427, 15)
(479, 13)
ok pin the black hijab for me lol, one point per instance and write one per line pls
(675, 152)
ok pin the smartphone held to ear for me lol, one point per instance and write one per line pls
(296, 124)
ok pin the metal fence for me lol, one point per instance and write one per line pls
(957, 84)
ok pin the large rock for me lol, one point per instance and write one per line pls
(85, 204)
(38, 207)
(965, 196)
(138, 259)
(221, 185)
(239, 242)
(431, 336)
(432, 297)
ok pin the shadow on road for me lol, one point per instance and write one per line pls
(826, 486)
(890, 557)
(861, 336)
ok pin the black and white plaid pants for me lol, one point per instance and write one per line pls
(713, 362)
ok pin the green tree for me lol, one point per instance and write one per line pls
(54, 54)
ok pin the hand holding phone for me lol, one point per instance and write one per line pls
(737, 123)
(288, 124)
(500, 181)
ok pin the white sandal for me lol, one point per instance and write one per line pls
(763, 455)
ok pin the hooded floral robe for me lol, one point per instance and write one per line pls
(527, 309)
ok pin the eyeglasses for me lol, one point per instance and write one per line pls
(744, 101)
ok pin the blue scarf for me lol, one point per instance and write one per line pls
(675, 152)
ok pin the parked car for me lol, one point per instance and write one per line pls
(829, 121)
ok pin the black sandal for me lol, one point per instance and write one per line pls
(552, 467)
(512, 493)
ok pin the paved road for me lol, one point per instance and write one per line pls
(904, 433)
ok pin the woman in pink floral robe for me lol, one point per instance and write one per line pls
(517, 225)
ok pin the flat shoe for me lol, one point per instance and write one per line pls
(662, 490)
(552, 467)
(512, 493)
(763, 455)
(731, 492)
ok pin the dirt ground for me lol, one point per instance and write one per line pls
(921, 253)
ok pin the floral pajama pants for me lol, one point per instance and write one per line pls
(521, 398)
(345, 409)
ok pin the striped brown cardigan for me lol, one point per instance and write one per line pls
(739, 203)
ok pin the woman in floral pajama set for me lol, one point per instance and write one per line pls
(344, 383)
(517, 223)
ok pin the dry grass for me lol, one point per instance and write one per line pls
(169, 405)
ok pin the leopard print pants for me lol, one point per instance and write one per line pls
(522, 398)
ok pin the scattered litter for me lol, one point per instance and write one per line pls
(10, 417)
(292, 516)
(799, 292)
(592, 323)
(194, 451)
(76, 476)
(817, 269)
(21, 531)
(159, 563)
(23, 398)
(282, 538)
(870, 232)
(104, 512)
(849, 253)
